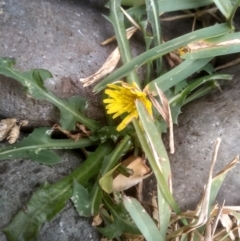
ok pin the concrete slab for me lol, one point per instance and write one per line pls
(64, 37)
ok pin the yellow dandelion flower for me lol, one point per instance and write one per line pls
(122, 100)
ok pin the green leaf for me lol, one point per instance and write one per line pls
(143, 221)
(49, 200)
(107, 132)
(34, 147)
(168, 6)
(175, 5)
(96, 198)
(87, 204)
(154, 19)
(225, 7)
(180, 86)
(176, 75)
(110, 161)
(121, 222)
(34, 82)
(106, 180)
(178, 101)
(131, 2)
(81, 199)
(236, 4)
(163, 49)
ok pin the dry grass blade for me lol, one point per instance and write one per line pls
(229, 166)
(198, 13)
(113, 38)
(204, 203)
(227, 224)
(134, 23)
(165, 112)
(216, 220)
(203, 206)
(109, 64)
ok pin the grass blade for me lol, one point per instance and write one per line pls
(176, 75)
(164, 48)
(143, 221)
(119, 222)
(162, 177)
(175, 5)
(236, 4)
(225, 7)
(153, 18)
(36, 146)
(117, 20)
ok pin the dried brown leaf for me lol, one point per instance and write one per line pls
(23, 122)
(74, 137)
(109, 64)
(5, 126)
(173, 59)
(97, 220)
(132, 237)
(105, 239)
(84, 129)
(13, 134)
(140, 172)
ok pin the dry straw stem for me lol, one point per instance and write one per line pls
(203, 206)
(109, 64)
(229, 216)
(198, 13)
(229, 64)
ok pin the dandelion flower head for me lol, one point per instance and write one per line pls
(121, 100)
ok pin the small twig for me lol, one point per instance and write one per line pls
(231, 63)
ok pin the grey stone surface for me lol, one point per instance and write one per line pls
(64, 37)
(68, 226)
(61, 36)
(202, 121)
(200, 124)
